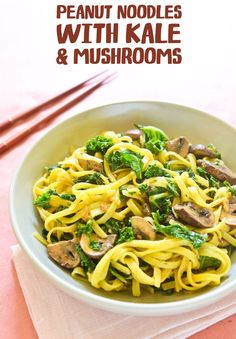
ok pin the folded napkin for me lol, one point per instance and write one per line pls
(57, 315)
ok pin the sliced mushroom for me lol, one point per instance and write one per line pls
(146, 210)
(201, 151)
(219, 171)
(178, 145)
(232, 205)
(134, 134)
(228, 212)
(231, 221)
(193, 215)
(105, 245)
(65, 253)
(88, 162)
(143, 228)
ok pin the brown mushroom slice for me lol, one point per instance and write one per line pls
(65, 253)
(229, 208)
(105, 245)
(194, 215)
(220, 172)
(232, 205)
(231, 221)
(201, 151)
(134, 134)
(179, 145)
(143, 228)
(88, 162)
(146, 210)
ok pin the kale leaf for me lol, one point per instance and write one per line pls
(143, 188)
(213, 182)
(214, 149)
(172, 189)
(85, 262)
(232, 189)
(98, 144)
(230, 248)
(155, 139)
(85, 228)
(160, 198)
(126, 159)
(118, 275)
(180, 232)
(155, 171)
(125, 234)
(94, 178)
(95, 245)
(112, 226)
(206, 262)
(161, 206)
(67, 196)
(43, 200)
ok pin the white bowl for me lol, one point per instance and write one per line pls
(175, 120)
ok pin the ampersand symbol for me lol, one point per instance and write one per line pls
(62, 56)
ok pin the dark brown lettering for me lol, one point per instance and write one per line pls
(130, 34)
(172, 31)
(68, 33)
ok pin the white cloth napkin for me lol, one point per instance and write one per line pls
(57, 315)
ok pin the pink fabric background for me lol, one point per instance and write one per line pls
(28, 75)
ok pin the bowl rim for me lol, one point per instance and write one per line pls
(125, 307)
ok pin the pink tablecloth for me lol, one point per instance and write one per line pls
(29, 74)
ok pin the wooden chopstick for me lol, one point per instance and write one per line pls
(8, 123)
(39, 123)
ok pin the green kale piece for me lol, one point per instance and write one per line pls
(60, 208)
(206, 262)
(112, 226)
(160, 198)
(45, 233)
(232, 189)
(143, 188)
(155, 139)
(167, 165)
(43, 200)
(161, 217)
(126, 159)
(180, 232)
(172, 189)
(214, 149)
(98, 144)
(161, 206)
(230, 248)
(125, 234)
(95, 245)
(85, 262)
(94, 178)
(213, 182)
(85, 228)
(118, 275)
(66, 196)
(155, 171)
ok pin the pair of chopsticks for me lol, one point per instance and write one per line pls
(100, 79)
